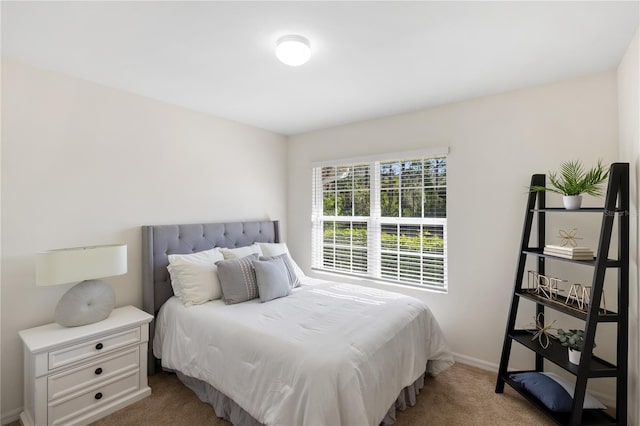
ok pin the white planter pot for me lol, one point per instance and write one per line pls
(572, 202)
(574, 356)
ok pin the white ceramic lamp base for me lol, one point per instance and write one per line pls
(85, 303)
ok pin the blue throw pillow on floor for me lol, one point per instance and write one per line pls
(547, 390)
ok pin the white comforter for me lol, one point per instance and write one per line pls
(329, 354)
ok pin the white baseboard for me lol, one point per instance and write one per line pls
(605, 398)
(11, 416)
(475, 362)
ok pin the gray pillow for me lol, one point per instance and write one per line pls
(272, 279)
(237, 279)
(293, 279)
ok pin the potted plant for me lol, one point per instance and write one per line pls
(574, 340)
(572, 181)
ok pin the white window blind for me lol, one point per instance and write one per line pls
(383, 219)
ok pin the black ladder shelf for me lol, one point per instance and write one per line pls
(591, 366)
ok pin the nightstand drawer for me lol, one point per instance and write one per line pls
(94, 347)
(65, 368)
(102, 369)
(65, 410)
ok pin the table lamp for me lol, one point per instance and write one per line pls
(93, 299)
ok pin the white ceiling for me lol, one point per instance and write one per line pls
(370, 59)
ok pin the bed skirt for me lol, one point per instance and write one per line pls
(227, 409)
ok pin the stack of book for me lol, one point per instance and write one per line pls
(574, 253)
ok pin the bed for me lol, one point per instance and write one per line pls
(328, 354)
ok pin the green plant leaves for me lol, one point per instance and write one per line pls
(573, 180)
(573, 339)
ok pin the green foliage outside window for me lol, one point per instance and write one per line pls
(431, 241)
(407, 189)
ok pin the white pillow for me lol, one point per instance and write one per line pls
(590, 402)
(241, 252)
(276, 249)
(273, 249)
(196, 276)
(175, 281)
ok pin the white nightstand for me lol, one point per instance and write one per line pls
(75, 375)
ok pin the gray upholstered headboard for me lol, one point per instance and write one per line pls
(162, 240)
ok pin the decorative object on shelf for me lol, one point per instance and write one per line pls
(572, 339)
(574, 181)
(573, 294)
(568, 237)
(553, 391)
(572, 202)
(533, 279)
(542, 331)
(581, 296)
(574, 356)
(548, 286)
(573, 253)
(92, 300)
(585, 297)
(542, 284)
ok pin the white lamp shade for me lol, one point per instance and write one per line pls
(71, 265)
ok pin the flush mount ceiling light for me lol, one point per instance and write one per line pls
(293, 50)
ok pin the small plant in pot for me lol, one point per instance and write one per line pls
(572, 181)
(574, 340)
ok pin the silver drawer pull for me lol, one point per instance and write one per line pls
(98, 395)
(98, 371)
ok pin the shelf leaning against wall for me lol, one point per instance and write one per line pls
(616, 206)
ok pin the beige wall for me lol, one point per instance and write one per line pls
(629, 134)
(496, 143)
(85, 164)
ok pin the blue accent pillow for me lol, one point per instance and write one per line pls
(272, 278)
(547, 390)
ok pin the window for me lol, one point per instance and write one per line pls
(384, 219)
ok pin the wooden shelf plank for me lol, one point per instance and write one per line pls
(611, 263)
(559, 355)
(580, 210)
(572, 309)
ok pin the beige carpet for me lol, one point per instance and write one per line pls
(462, 395)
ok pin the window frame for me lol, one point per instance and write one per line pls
(375, 221)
